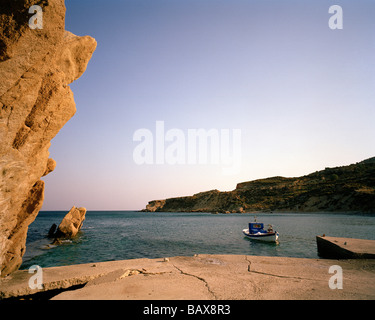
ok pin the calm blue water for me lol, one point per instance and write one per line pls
(117, 235)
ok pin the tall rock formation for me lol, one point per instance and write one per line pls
(36, 67)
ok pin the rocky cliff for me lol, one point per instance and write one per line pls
(347, 188)
(36, 67)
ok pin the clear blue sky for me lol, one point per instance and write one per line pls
(302, 94)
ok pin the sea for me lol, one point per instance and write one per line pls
(119, 235)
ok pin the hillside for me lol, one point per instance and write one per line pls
(346, 188)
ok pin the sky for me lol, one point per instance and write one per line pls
(300, 94)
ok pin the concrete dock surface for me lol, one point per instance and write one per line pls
(345, 248)
(202, 277)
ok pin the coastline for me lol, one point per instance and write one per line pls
(276, 211)
(198, 277)
(345, 188)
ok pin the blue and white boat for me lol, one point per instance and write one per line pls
(256, 231)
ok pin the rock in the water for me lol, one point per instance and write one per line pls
(52, 231)
(71, 223)
(36, 67)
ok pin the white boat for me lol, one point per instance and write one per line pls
(256, 231)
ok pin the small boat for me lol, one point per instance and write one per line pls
(256, 231)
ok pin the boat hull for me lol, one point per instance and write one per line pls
(267, 237)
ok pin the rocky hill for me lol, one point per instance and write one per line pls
(346, 188)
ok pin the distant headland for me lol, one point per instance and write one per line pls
(340, 189)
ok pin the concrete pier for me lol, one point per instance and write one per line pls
(202, 277)
(345, 248)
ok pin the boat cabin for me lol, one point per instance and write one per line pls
(255, 227)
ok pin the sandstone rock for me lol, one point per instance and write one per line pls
(51, 165)
(71, 223)
(36, 67)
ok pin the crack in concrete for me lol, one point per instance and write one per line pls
(274, 275)
(257, 289)
(199, 278)
(248, 263)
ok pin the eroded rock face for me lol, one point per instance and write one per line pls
(36, 67)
